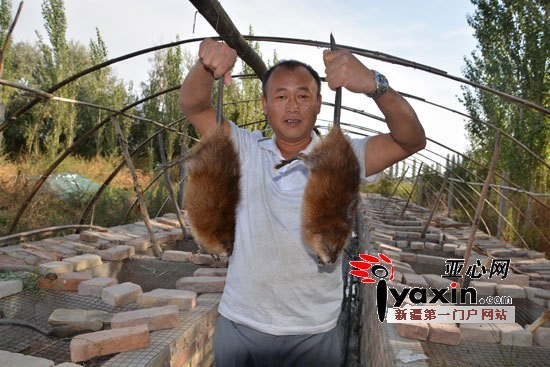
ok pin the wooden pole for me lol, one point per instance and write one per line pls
(450, 196)
(215, 14)
(23, 236)
(412, 190)
(395, 189)
(181, 190)
(502, 209)
(480, 203)
(169, 185)
(137, 188)
(432, 212)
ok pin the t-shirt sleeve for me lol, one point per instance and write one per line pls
(359, 146)
(243, 140)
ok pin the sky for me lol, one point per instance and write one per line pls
(430, 32)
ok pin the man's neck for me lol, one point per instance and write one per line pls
(289, 149)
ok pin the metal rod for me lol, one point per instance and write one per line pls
(338, 97)
(219, 110)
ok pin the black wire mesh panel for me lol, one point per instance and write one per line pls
(481, 354)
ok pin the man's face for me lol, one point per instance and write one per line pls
(292, 104)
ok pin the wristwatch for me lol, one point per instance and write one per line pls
(381, 85)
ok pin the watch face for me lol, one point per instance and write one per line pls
(381, 85)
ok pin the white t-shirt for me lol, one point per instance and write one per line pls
(274, 284)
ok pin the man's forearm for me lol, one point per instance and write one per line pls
(196, 91)
(405, 128)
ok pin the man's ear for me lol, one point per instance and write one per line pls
(319, 103)
(264, 107)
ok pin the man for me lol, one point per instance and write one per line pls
(279, 308)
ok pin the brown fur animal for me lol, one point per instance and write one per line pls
(331, 195)
(212, 192)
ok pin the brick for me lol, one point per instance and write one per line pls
(415, 280)
(156, 318)
(484, 288)
(432, 260)
(139, 244)
(480, 333)
(400, 234)
(210, 272)
(64, 281)
(543, 294)
(449, 247)
(176, 234)
(94, 286)
(531, 295)
(87, 346)
(88, 236)
(460, 250)
(433, 246)
(121, 294)
(417, 245)
(386, 247)
(433, 237)
(402, 244)
(113, 237)
(201, 284)
(10, 260)
(450, 238)
(511, 279)
(116, 253)
(514, 291)
(83, 262)
(443, 333)
(10, 287)
(9, 359)
(163, 238)
(184, 300)
(202, 259)
(413, 330)
(436, 281)
(542, 336)
(170, 221)
(514, 334)
(408, 257)
(55, 267)
(177, 256)
(64, 316)
(414, 235)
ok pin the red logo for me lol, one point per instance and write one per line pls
(377, 266)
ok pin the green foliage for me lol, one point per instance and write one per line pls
(512, 56)
(29, 279)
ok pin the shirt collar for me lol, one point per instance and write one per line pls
(270, 145)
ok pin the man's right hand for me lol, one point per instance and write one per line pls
(218, 58)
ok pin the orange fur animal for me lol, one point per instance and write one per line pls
(332, 191)
(212, 192)
(331, 195)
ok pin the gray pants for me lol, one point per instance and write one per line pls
(236, 345)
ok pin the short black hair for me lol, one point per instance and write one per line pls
(290, 65)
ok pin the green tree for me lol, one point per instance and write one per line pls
(104, 89)
(57, 121)
(512, 56)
